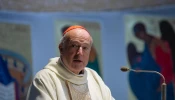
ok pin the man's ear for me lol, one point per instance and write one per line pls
(60, 48)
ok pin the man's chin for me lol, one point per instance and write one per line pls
(78, 66)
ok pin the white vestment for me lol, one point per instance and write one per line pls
(56, 82)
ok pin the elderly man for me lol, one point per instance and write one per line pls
(66, 78)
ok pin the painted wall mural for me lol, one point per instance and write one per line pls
(150, 45)
(15, 61)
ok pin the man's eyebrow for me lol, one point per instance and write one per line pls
(86, 43)
(74, 42)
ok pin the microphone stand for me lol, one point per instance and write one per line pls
(163, 86)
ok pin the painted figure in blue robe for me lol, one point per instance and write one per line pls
(5, 77)
(147, 86)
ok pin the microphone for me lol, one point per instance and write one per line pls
(163, 86)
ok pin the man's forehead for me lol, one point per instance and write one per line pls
(83, 41)
(79, 34)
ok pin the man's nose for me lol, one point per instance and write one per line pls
(80, 51)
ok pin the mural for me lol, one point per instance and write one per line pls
(15, 61)
(94, 29)
(150, 43)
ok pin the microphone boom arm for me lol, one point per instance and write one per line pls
(163, 86)
(148, 71)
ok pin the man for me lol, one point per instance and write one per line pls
(93, 62)
(66, 78)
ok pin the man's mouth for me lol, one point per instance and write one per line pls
(76, 60)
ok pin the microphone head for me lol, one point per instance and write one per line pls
(124, 69)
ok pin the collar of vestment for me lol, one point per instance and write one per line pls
(58, 67)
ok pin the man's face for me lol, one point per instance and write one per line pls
(75, 51)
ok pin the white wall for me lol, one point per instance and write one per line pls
(113, 40)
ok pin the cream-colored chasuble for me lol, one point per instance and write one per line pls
(57, 82)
